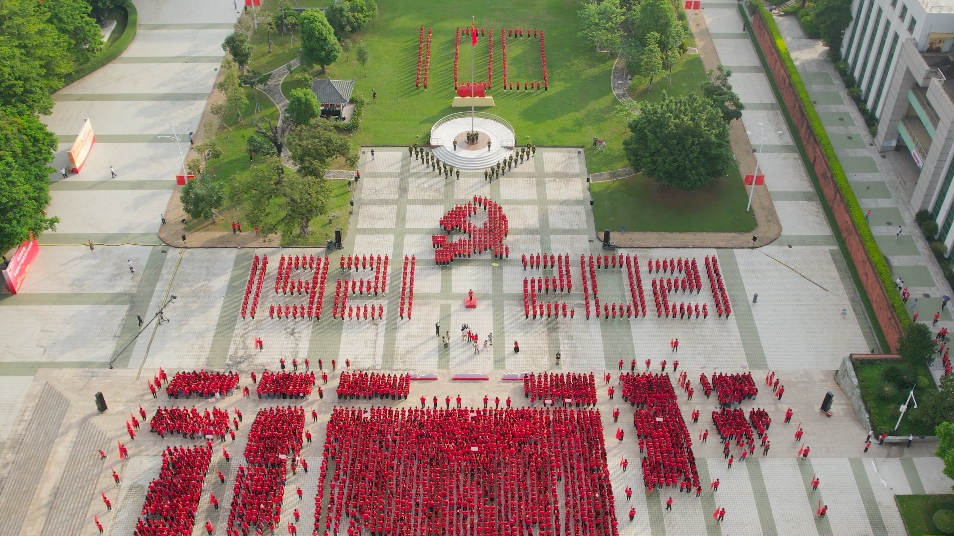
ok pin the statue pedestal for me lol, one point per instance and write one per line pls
(470, 303)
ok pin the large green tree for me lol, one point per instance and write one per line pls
(917, 344)
(601, 24)
(660, 17)
(945, 446)
(318, 43)
(72, 20)
(651, 59)
(34, 57)
(350, 16)
(681, 141)
(276, 198)
(303, 106)
(314, 146)
(239, 46)
(26, 150)
(831, 18)
(718, 90)
(201, 197)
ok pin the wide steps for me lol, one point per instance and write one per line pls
(457, 159)
(78, 483)
(31, 458)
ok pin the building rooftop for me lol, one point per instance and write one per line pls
(938, 6)
(333, 91)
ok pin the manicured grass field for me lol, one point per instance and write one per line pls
(687, 76)
(883, 409)
(917, 510)
(638, 203)
(578, 106)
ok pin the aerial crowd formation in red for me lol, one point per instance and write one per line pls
(468, 471)
(487, 237)
(361, 287)
(173, 498)
(577, 388)
(490, 54)
(368, 385)
(423, 56)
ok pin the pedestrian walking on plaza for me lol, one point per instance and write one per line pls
(910, 439)
(131, 269)
(870, 434)
(731, 459)
(868, 216)
(884, 435)
(705, 435)
(516, 347)
(896, 236)
(139, 318)
(112, 171)
(714, 486)
(822, 511)
(669, 504)
(615, 414)
(788, 415)
(632, 513)
(815, 483)
(937, 316)
(107, 502)
(867, 445)
(437, 328)
(372, 154)
(63, 172)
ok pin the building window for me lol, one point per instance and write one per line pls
(894, 3)
(863, 54)
(876, 64)
(904, 13)
(876, 103)
(911, 25)
(855, 46)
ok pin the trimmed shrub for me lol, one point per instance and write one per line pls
(888, 392)
(922, 216)
(944, 521)
(939, 249)
(929, 229)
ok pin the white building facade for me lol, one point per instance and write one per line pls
(900, 53)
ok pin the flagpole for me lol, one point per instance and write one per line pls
(473, 28)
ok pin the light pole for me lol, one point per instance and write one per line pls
(175, 137)
(904, 408)
(748, 205)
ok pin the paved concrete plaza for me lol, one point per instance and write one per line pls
(77, 313)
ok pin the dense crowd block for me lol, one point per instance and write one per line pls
(172, 499)
(476, 472)
(373, 385)
(204, 384)
(579, 389)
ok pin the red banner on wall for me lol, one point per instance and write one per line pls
(19, 265)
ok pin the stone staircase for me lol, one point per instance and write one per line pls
(477, 161)
(78, 483)
(32, 452)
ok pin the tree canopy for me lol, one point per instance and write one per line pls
(830, 18)
(945, 446)
(303, 106)
(651, 61)
(681, 141)
(278, 199)
(26, 150)
(319, 46)
(718, 90)
(916, 344)
(601, 24)
(34, 57)
(239, 46)
(657, 16)
(350, 16)
(200, 197)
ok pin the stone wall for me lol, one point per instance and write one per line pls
(877, 294)
(846, 379)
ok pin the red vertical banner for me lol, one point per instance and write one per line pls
(19, 265)
(473, 32)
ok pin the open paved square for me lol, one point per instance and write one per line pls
(87, 321)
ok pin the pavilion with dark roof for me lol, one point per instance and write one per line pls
(333, 96)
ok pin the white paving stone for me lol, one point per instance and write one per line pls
(385, 160)
(567, 217)
(71, 270)
(379, 188)
(784, 173)
(162, 78)
(60, 333)
(752, 88)
(164, 43)
(425, 217)
(723, 21)
(840, 493)
(139, 117)
(518, 187)
(792, 511)
(93, 212)
(13, 390)
(560, 162)
(884, 495)
(429, 186)
(569, 189)
(376, 216)
(802, 218)
(799, 287)
(930, 471)
(736, 52)
(522, 217)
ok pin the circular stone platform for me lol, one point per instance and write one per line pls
(475, 156)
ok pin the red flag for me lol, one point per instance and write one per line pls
(473, 32)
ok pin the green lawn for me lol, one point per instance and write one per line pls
(578, 106)
(232, 138)
(883, 405)
(638, 203)
(917, 510)
(687, 76)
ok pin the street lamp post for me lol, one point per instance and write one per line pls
(175, 137)
(904, 408)
(748, 205)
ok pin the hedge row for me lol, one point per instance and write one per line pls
(112, 52)
(841, 180)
